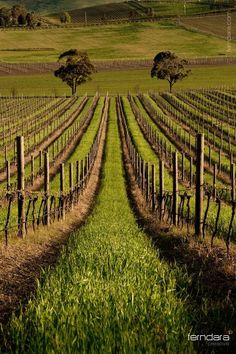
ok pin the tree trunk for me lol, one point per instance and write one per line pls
(171, 84)
(74, 88)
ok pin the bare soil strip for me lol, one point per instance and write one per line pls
(22, 262)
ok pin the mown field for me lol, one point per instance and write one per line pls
(141, 40)
(116, 82)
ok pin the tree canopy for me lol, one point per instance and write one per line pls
(76, 69)
(168, 66)
(65, 17)
(16, 16)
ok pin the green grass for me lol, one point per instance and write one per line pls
(118, 82)
(109, 291)
(142, 145)
(137, 40)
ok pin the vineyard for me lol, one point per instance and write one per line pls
(157, 127)
(103, 13)
(177, 150)
(212, 24)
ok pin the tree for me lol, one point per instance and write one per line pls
(76, 70)
(65, 17)
(6, 17)
(18, 11)
(2, 22)
(168, 66)
(30, 19)
(151, 12)
(21, 20)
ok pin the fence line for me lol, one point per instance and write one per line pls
(31, 68)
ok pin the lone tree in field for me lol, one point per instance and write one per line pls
(65, 17)
(168, 66)
(76, 69)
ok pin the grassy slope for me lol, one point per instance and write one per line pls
(112, 292)
(117, 82)
(142, 40)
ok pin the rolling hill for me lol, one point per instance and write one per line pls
(52, 6)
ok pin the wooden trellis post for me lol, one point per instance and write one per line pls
(175, 188)
(47, 188)
(182, 166)
(21, 185)
(161, 186)
(147, 181)
(219, 168)
(153, 187)
(191, 172)
(62, 189)
(233, 181)
(214, 180)
(32, 170)
(40, 162)
(209, 155)
(77, 174)
(8, 171)
(71, 183)
(199, 184)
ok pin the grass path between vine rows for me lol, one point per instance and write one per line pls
(109, 291)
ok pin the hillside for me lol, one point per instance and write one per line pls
(50, 6)
(134, 41)
(133, 10)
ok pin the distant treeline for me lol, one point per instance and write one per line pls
(17, 15)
